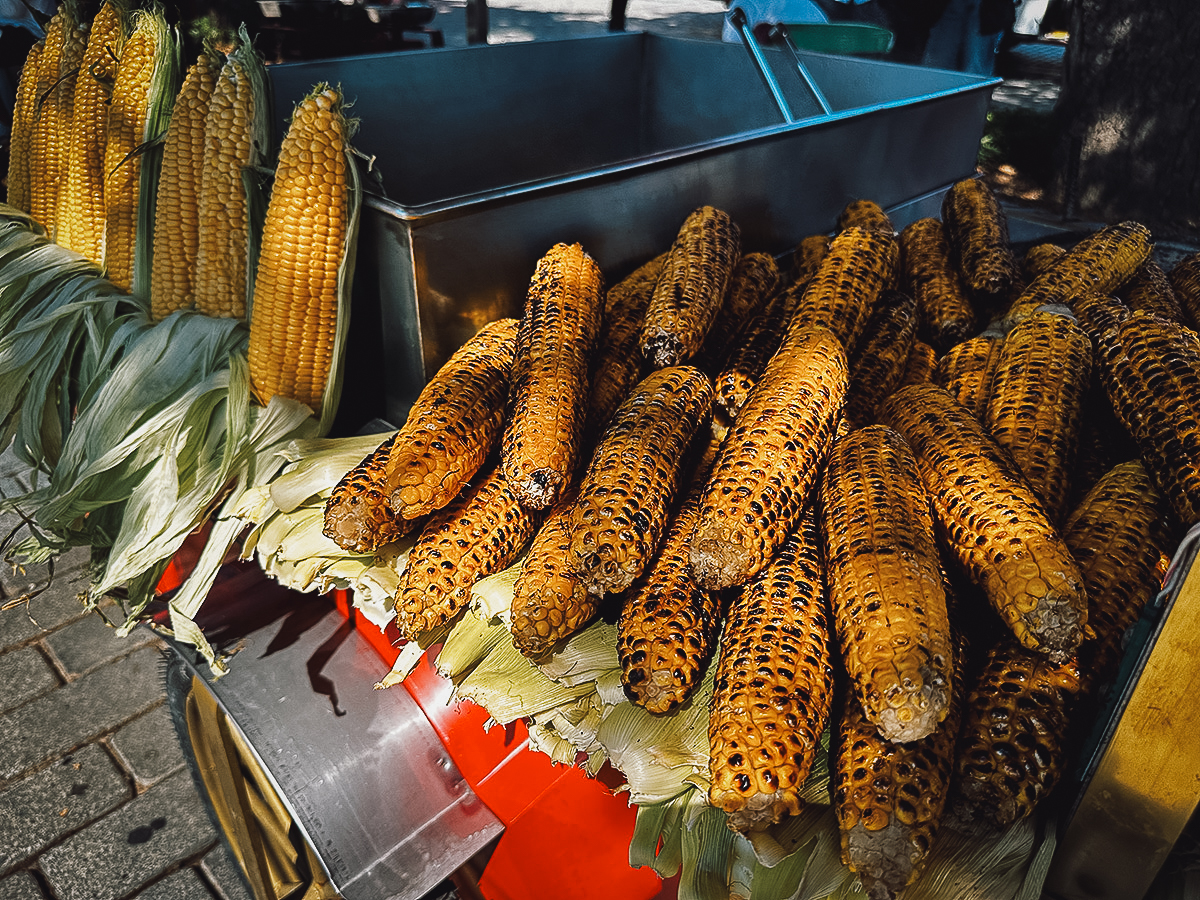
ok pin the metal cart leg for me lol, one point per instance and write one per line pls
(477, 21)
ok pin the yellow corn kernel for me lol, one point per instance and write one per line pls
(920, 365)
(754, 346)
(807, 256)
(946, 312)
(967, 370)
(358, 516)
(46, 147)
(977, 230)
(21, 138)
(864, 214)
(879, 362)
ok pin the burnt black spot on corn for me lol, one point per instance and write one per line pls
(864, 214)
(617, 362)
(889, 797)
(1149, 289)
(1036, 402)
(884, 577)
(756, 343)
(977, 229)
(946, 313)
(755, 280)
(1185, 281)
(632, 481)
(843, 293)
(358, 514)
(1151, 372)
(920, 365)
(769, 460)
(967, 369)
(879, 361)
(550, 376)
(773, 687)
(807, 256)
(691, 287)
(1012, 748)
(991, 520)
(477, 535)
(455, 423)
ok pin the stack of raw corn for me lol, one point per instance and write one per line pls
(913, 463)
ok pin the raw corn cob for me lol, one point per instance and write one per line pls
(967, 370)
(753, 283)
(1036, 401)
(889, 797)
(754, 346)
(1149, 289)
(977, 230)
(305, 241)
(454, 424)
(920, 366)
(480, 533)
(992, 522)
(617, 361)
(843, 293)
(547, 393)
(807, 256)
(177, 215)
(883, 574)
(49, 132)
(770, 459)
(691, 287)
(358, 516)
(773, 687)
(21, 135)
(60, 104)
(1185, 282)
(864, 214)
(1039, 258)
(631, 483)
(946, 313)
(879, 361)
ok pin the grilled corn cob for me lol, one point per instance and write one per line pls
(864, 214)
(946, 314)
(885, 586)
(920, 366)
(1185, 281)
(769, 460)
(977, 230)
(295, 310)
(1039, 258)
(992, 521)
(807, 256)
(617, 361)
(754, 346)
(358, 516)
(882, 355)
(1097, 313)
(1036, 402)
(21, 134)
(455, 423)
(548, 390)
(967, 370)
(754, 282)
(691, 287)
(1149, 289)
(843, 293)
(618, 520)
(773, 687)
(480, 533)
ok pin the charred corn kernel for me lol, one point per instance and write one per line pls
(303, 244)
(21, 136)
(991, 521)
(841, 296)
(1185, 281)
(550, 601)
(49, 131)
(177, 214)
(691, 287)
(455, 423)
(920, 366)
(864, 214)
(1097, 313)
(1149, 289)
(769, 460)
(807, 256)
(1036, 402)
(977, 230)
(82, 204)
(946, 313)
(882, 355)
(1151, 372)
(889, 797)
(358, 516)
(773, 687)
(631, 483)
(754, 282)
(1039, 258)
(1117, 534)
(480, 533)
(883, 573)
(127, 111)
(753, 348)
(548, 391)
(617, 363)
(967, 370)
(1012, 746)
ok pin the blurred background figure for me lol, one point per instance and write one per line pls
(968, 34)
(1030, 13)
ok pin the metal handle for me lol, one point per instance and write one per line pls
(739, 21)
(781, 31)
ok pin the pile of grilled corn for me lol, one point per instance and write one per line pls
(912, 464)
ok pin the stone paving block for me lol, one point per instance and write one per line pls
(223, 871)
(58, 604)
(186, 884)
(148, 747)
(21, 886)
(90, 642)
(132, 846)
(25, 674)
(77, 712)
(56, 801)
